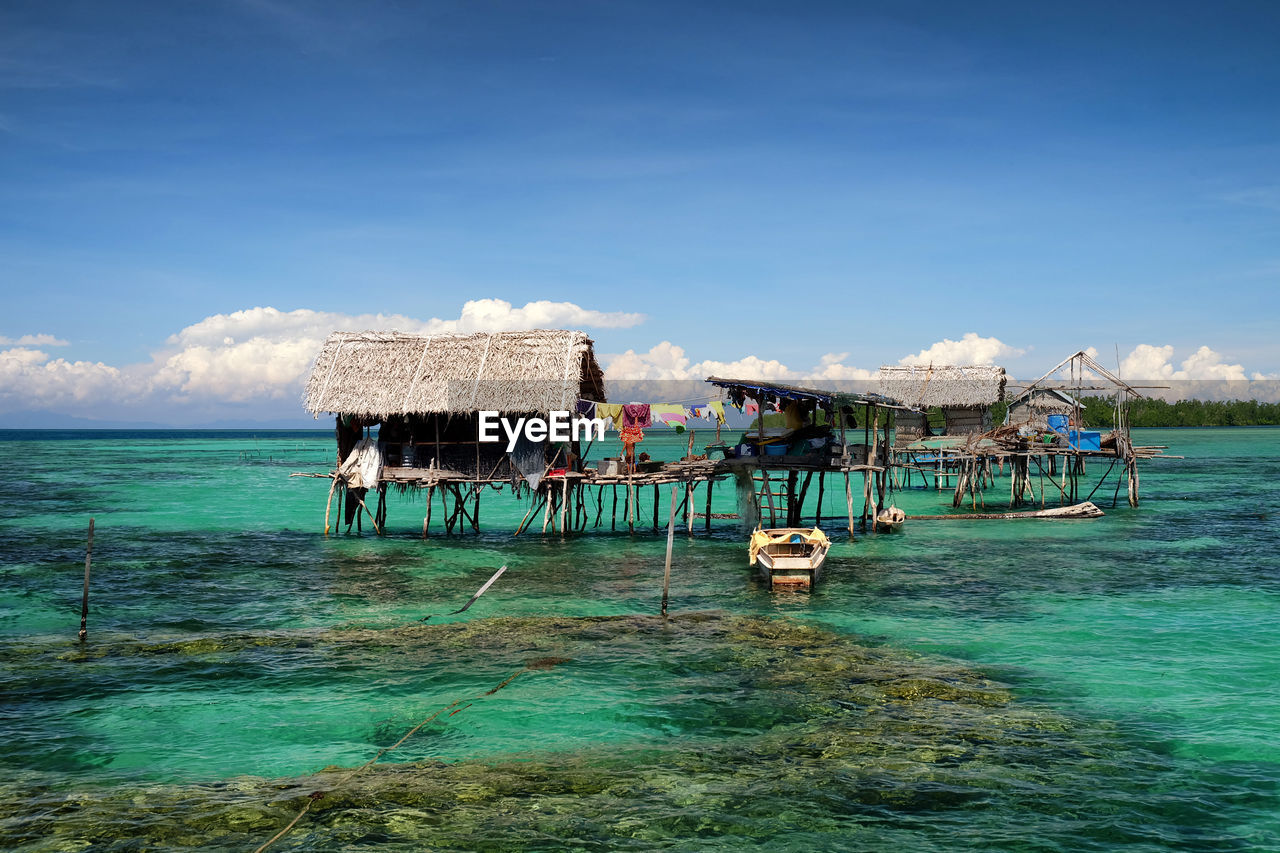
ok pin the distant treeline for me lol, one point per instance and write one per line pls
(1100, 412)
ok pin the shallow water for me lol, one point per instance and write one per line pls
(1072, 685)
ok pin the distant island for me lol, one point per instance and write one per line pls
(1100, 412)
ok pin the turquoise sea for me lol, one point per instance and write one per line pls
(1110, 684)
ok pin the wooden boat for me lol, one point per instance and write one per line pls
(789, 557)
(890, 519)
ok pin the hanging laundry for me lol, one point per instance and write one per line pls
(631, 436)
(637, 415)
(751, 409)
(611, 414)
(671, 415)
(586, 408)
(709, 412)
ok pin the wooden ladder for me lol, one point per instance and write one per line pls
(776, 503)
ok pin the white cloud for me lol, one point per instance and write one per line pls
(831, 367)
(970, 349)
(498, 315)
(668, 361)
(29, 379)
(1155, 362)
(33, 341)
(259, 354)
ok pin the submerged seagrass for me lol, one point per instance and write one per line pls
(788, 731)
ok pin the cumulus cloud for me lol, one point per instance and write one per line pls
(33, 341)
(259, 354)
(264, 353)
(668, 361)
(970, 349)
(1147, 361)
(831, 366)
(30, 379)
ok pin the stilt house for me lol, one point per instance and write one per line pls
(963, 393)
(423, 393)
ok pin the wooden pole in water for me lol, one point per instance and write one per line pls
(84, 602)
(671, 538)
(533, 505)
(426, 518)
(688, 505)
(329, 504)
(710, 482)
(564, 502)
(848, 499)
(373, 520)
(817, 516)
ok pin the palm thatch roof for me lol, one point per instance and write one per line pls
(379, 374)
(947, 386)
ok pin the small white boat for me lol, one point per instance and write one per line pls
(790, 557)
(890, 520)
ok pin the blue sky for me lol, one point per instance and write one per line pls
(789, 181)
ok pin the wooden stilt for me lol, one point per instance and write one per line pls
(564, 504)
(329, 503)
(372, 520)
(426, 517)
(688, 504)
(848, 498)
(533, 505)
(88, 559)
(707, 514)
(671, 537)
(817, 516)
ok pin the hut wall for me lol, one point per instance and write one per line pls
(967, 420)
(910, 426)
(447, 442)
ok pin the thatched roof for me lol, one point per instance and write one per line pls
(377, 374)
(929, 385)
